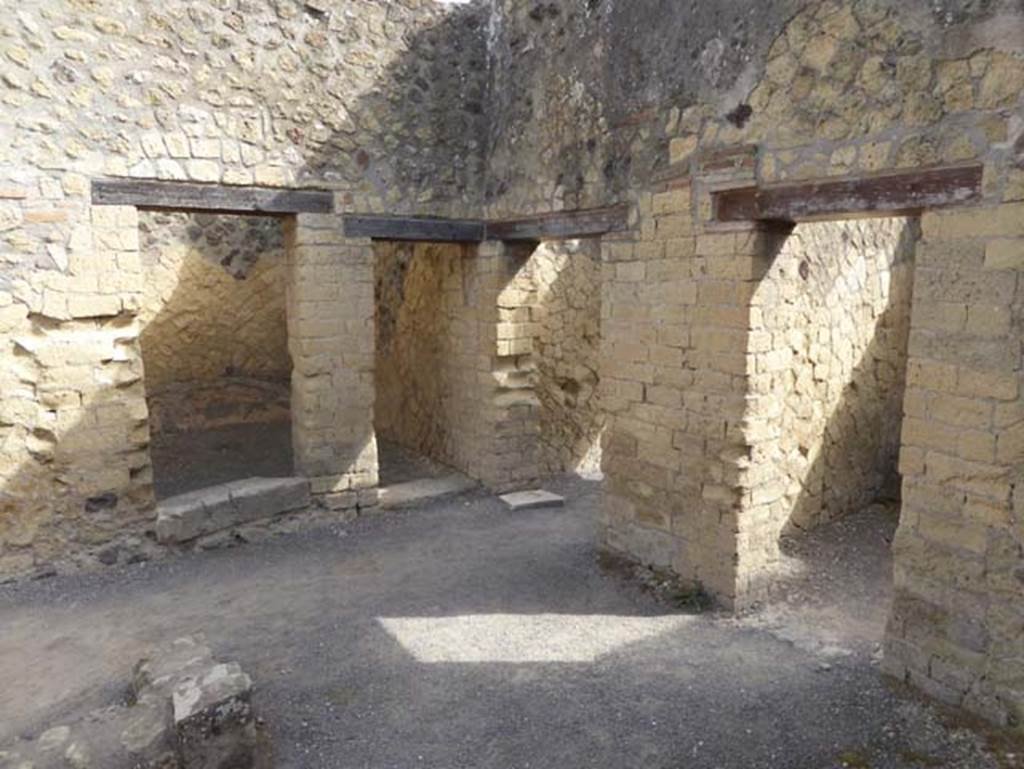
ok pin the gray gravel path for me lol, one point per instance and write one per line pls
(462, 635)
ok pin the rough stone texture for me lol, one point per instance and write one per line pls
(675, 319)
(955, 628)
(214, 339)
(788, 91)
(455, 358)
(429, 314)
(381, 102)
(567, 315)
(828, 343)
(197, 513)
(331, 342)
(213, 719)
(75, 467)
(651, 102)
(183, 711)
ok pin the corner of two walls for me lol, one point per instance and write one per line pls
(753, 381)
(830, 319)
(214, 333)
(486, 356)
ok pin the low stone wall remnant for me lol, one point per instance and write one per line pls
(184, 710)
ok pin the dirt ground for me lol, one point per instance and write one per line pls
(462, 635)
(188, 461)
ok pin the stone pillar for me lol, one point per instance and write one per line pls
(956, 625)
(508, 430)
(720, 438)
(677, 384)
(673, 383)
(331, 340)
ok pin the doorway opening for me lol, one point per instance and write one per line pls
(566, 319)
(215, 349)
(831, 327)
(427, 359)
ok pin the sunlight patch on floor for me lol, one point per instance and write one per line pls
(523, 638)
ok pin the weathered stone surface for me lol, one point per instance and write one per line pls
(489, 109)
(213, 719)
(188, 516)
(530, 500)
(453, 358)
(567, 320)
(214, 339)
(185, 711)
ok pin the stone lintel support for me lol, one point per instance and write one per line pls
(330, 307)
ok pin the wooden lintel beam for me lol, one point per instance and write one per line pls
(562, 224)
(903, 193)
(416, 228)
(210, 198)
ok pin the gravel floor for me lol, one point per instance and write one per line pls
(461, 635)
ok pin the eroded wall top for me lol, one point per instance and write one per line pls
(592, 99)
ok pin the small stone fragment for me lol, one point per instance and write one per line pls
(530, 500)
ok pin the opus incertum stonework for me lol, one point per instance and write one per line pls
(759, 267)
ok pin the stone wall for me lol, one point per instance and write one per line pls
(394, 108)
(567, 315)
(382, 103)
(835, 316)
(658, 104)
(214, 334)
(593, 101)
(427, 350)
(828, 351)
(956, 626)
(455, 358)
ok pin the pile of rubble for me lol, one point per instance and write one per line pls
(183, 710)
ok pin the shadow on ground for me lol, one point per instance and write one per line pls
(461, 635)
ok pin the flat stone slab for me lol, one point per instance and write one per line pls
(529, 500)
(411, 493)
(188, 516)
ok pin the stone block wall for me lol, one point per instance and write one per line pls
(796, 91)
(827, 360)
(675, 323)
(428, 351)
(567, 318)
(957, 625)
(214, 335)
(75, 470)
(380, 102)
(454, 358)
(331, 341)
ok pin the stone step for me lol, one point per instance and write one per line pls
(414, 492)
(206, 511)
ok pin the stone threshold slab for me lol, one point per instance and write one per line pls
(206, 511)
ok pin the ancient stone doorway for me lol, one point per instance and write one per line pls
(565, 319)
(214, 346)
(830, 327)
(426, 360)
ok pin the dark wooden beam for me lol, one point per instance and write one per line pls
(419, 228)
(562, 224)
(901, 193)
(210, 198)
